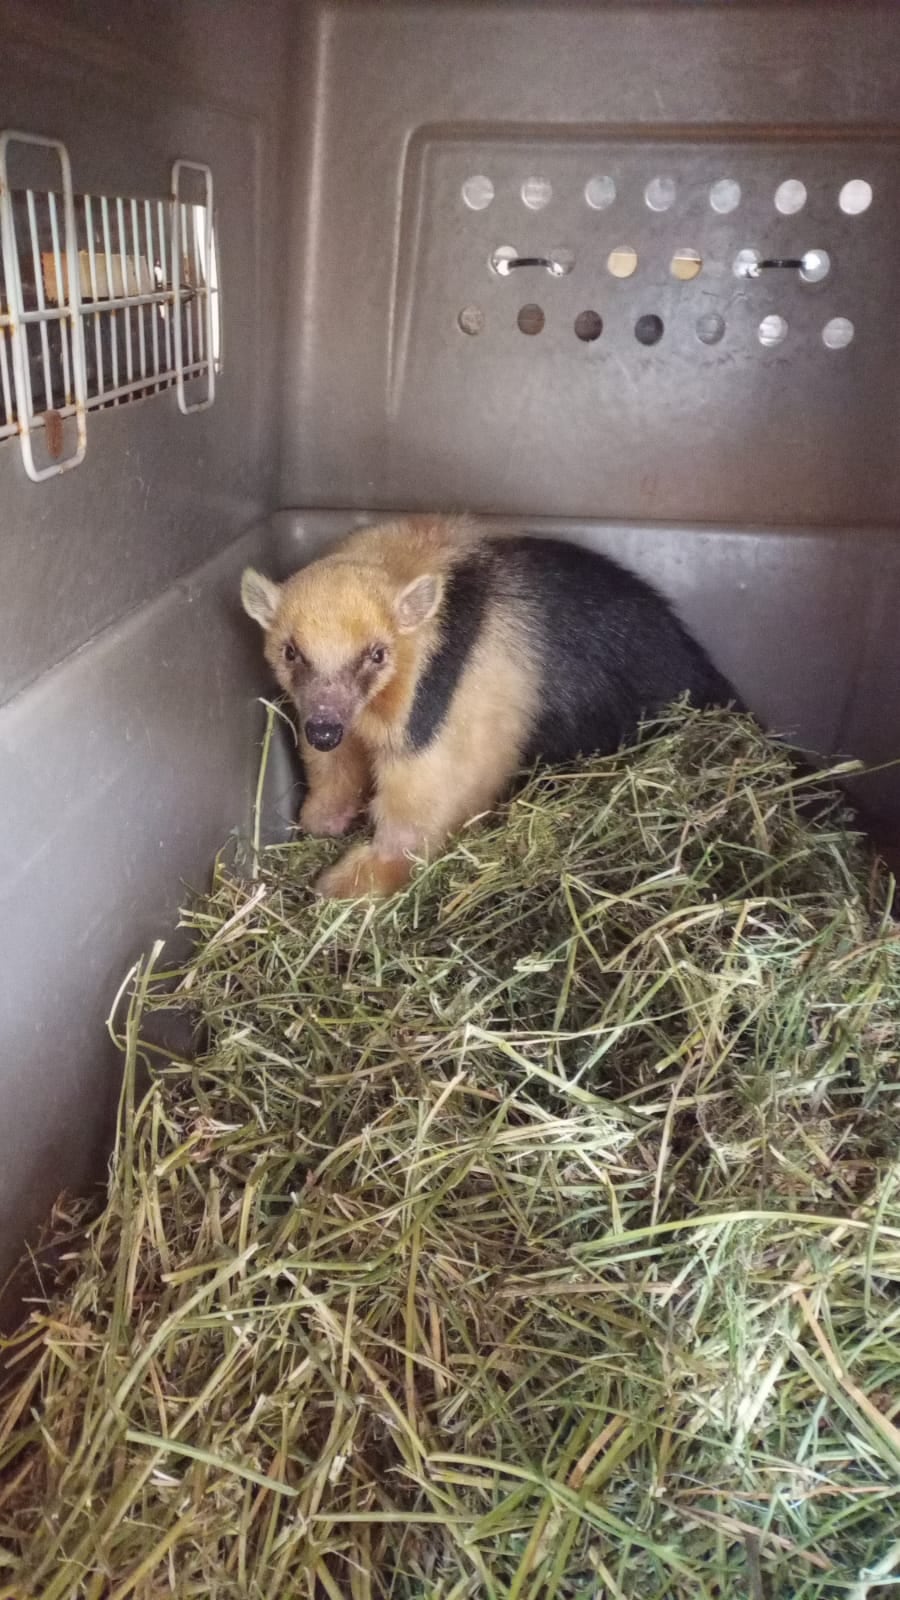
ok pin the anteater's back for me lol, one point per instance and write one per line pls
(609, 647)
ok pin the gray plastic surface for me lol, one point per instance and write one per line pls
(387, 402)
(759, 487)
(127, 685)
(122, 772)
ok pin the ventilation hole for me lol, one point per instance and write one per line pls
(501, 258)
(600, 193)
(588, 326)
(622, 261)
(746, 264)
(772, 331)
(537, 193)
(854, 199)
(725, 196)
(648, 329)
(838, 333)
(685, 265)
(660, 193)
(530, 319)
(816, 266)
(471, 319)
(478, 192)
(710, 328)
(561, 261)
(790, 197)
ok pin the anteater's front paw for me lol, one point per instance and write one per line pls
(363, 874)
(325, 820)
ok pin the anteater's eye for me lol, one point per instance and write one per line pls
(377, 655)
(290, 651)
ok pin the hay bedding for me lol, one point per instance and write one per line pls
(537, 1234)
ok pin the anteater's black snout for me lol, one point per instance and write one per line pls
(323, 735)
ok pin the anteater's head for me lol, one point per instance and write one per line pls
(340, 635)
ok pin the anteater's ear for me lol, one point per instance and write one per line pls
(259, 597)
(418, 601)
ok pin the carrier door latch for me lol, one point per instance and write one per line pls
(813, 265)
(506, 259)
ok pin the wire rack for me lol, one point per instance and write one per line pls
(103, 301)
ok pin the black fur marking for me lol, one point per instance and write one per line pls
(460, 620)
(611, 648)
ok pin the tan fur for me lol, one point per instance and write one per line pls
(339, 783)
(336, 609)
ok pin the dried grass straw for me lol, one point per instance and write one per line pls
(535, 1235)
